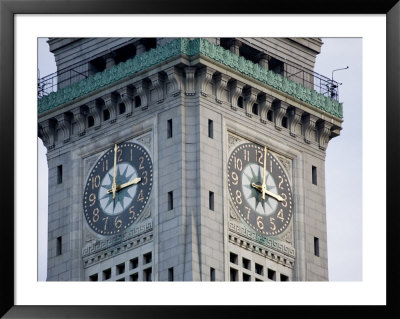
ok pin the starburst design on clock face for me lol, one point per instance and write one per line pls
(253, 173)
(125, 173)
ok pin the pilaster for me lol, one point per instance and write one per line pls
(190, 81)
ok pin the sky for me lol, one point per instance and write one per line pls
(343, 169)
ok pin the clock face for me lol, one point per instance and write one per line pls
(268, 210)
(111, 209)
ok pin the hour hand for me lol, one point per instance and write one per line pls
(132, 182)
(265, 191)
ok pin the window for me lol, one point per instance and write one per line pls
(271, 274)
(121, 279)
(138, 101)
(147, 258)
(106, 115)
(107, 274)
(246, 263)
(284, 277)
(233, 258)
(284, 122)
(170, 200)
(246, 277)
(233, 274)
(59, 174)
(269, 115)
(133, 263)
(147, 274)
(316, 246)
(169, 128)
(212, 274)
(255, 109)
(314, 175)
(210, 129)
(90, 121)
(211, 200)
(171, 274)
(259, 269)
(94, 277)
(240, 101)
(120, 269)
(59, 246)
(122, 108)
(134, 277)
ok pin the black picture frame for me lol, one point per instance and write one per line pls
(8, 10)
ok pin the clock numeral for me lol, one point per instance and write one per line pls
(238, 163)
(117, 222)
(96, 181)
(284, 202)
(144, 177)
(280, 215)
(140, 196)
(271, 220)
(105, 223)
(119, 155)
(96, 215)
(246, 155)
(281, 182)
(270, 166)
(248, 212)
(260, 224)
(238, 197)
(105, 165)
(260, 157)
(131, 211)
(92, 199)
(141, 159)
(235, 178)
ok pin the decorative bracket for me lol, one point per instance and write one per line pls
(189, 83)
(204, 79)
(157, 83)
(265, 105)
(221, 82)
(47, 131)
(294, 119)
(324, 132)
(94, 111)
(280, 108)
(142, 89)
(235, 91)
(126, 97)
(308, 122)
(174, 85)
(64, 123)
(110, 101)
(250, 99)
(80, 119)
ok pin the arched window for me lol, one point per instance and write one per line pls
(90, 121)
(106, 115)
(122, 108)
(240, 101)
(138, 101)
(284, 122)
(255, 109)
(269, 116)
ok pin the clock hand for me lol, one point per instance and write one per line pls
(119, 187)
(264, 186)
(114, 184)
(265, 191)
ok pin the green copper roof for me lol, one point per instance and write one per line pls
(189, 48)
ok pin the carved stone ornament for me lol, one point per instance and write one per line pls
(232, 141)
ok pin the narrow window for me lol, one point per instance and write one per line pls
(169, 128)
(147, 274)
(316, 246)
(269, 115)
(314, 175)
(133, 263)
(107, 274)
(171, 274)
(259, 269)
(122, 108)
(212, 274)
(138, 101)
(240, 101)
(255, 109)
(106, 115)
(120, 269)
(59, 174)
(94, 277)
(233, 258)
(90, 121)
(59, 246)
(233, 274)
(284, 122)
(210, 129)
(271, 274)
(246, 263)
(170, 200)
(211, 200)
(147, 258)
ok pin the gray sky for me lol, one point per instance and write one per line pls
(343, 171)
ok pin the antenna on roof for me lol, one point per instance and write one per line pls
(333, 85)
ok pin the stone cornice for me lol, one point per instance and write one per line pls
(190, 48)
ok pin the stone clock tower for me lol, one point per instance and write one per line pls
(187, 159)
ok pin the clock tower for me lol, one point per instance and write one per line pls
(187, 159)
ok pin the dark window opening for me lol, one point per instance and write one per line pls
(259, 269)
(147, 258)
(246, 277)
(246, 263)
(284, 277)
(94, 277)
(121, 279)
(170, 200)
(210, 129)
(149, 43)
(276, 66)
(255, 109)
(284, 122)
(125, 53)
(316, 246)
(314, 175)
(147, 274)
(138, 101)
(97, 65)
(59, 174)
(269, 115)
(240, 101)
(271, 274)
(233, 274)
(211, 200)
(134, 277)
(122, 108)
(90, 121)
(169, 128)
(133, 263)
(59, 246)
(171, 274)
(120, 269)
(212, 274)
(106, 115)
(233, 258)
(107, 274)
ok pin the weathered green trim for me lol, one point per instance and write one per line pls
(189, 48)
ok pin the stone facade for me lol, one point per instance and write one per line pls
(193, 86)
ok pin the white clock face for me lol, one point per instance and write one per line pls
(250, 173)
(125, 173)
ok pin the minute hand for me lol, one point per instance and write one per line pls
(267, 192)
(132, 182)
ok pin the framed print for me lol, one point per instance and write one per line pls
(117, 177)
